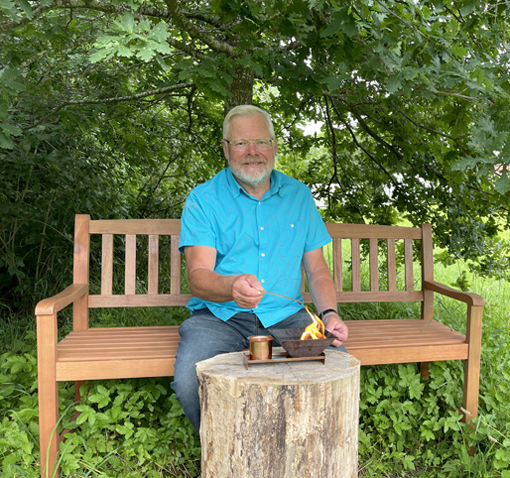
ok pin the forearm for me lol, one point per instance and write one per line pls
(322, 290)
(209, 285)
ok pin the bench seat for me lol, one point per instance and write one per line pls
(135, 352)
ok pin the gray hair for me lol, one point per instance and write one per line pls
(246, 110)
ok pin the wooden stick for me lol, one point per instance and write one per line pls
(283, 297)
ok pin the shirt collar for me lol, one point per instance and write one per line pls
(236, 188)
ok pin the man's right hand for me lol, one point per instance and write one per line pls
(244, 289)
(247, 291)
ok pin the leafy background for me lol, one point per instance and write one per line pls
(114, 109)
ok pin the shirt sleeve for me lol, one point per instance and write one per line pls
(196, 227)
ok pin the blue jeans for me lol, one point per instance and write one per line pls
(204, 336)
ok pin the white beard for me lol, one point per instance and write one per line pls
(256, 177)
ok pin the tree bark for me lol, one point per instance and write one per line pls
(279, 420)
(241, 89)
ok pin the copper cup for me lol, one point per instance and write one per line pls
(261, 347)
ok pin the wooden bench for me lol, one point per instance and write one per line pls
(92, 353)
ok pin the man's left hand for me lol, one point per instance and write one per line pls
(337, 327)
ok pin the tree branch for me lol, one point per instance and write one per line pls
(359, 145)
(11, 25)
(180, 18)
(428, 128)
(187, 49)
(372, 133)
(107, 7)
(115, 99)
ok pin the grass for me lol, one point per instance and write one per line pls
(409, 426)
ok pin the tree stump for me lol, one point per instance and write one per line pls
(279, 420)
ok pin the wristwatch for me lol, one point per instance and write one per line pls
(327, 311)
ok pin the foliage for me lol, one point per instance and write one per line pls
(114, 109)
(75, 164)
(126, 428)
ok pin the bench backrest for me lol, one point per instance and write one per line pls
(389, 250)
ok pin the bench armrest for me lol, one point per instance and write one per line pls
(52, 305)
(467, 297)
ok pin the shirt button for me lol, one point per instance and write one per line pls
(262, 281)
(262, 228)
(292, 225)
(263, 255)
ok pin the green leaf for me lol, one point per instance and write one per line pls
(27, 8)
(349, 24)
(159, 33)
(334, 26)
(11, 129)
(4, 109)
(394, 83)
(5, 141)
(503, 182)
(146, 53)
(100, 55)
(469, 7)
(123, 50)
(465, 163)
(333, 82)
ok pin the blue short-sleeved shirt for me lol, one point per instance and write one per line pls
(266, 238)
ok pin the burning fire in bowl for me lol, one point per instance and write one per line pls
(307, 341)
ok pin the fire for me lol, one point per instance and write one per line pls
(315, 330)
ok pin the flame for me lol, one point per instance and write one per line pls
(315, 330)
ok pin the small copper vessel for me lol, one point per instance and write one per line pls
(261, 347)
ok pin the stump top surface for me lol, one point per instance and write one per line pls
(338, 366)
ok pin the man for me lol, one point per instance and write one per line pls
(245, 231)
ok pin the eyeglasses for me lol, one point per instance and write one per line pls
(261, 144)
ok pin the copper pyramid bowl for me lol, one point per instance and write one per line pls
(289, 339)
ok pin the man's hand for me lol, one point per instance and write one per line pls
(337, 327)
(247, 291)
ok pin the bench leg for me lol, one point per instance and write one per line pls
(472, 364)
(424, 369)
(77, 397)
(48, 395)
(48, 429)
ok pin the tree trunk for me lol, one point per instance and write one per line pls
(279, 420)
(241, 89)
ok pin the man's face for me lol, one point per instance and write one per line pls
(250, 167)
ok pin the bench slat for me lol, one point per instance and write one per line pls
(367, 296)
(374, 265)
(337, 264)
(160, 300)
(107, 264)
(408, 258)
(372, 231)
(130, 266)
(392, 266)
(165, 227)
(111, 369)
(175, 266)
(411, 354)
(356, 265)
(153, 280)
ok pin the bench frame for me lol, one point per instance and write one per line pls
(133, 352)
